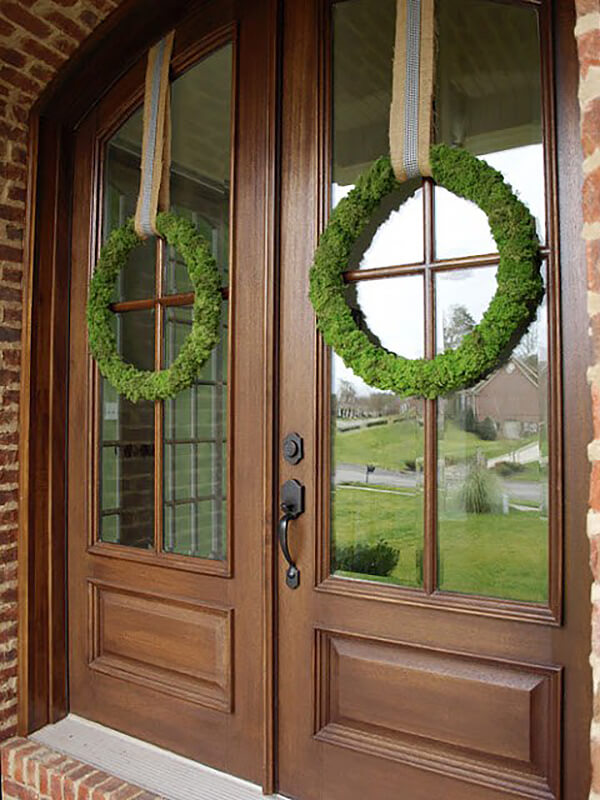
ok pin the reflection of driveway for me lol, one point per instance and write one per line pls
(356, 473)
(526, 491)
(516, 491)
(524, 455)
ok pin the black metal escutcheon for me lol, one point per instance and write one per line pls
(293, 448)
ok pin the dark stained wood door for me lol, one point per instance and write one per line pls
(458, 668)
(167, 501)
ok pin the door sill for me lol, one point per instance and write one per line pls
(158, 771)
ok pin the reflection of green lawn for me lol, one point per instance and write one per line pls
(389, 446)
(360, 516)
(490, 554)
(496, 555)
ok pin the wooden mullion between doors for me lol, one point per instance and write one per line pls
(551, 254)
(429, 406)
(158, 405)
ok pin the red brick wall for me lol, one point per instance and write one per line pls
(31, 771)
(588, 43)
(36, 38)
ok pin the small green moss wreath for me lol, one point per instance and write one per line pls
(513, 307)
(134, 383)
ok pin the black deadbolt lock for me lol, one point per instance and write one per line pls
(293, 448)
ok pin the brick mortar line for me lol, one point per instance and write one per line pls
(589, 86)
(587, 22)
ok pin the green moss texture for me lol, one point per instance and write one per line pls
(128, 380)
(512, 309)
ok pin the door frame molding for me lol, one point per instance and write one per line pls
(42, 545)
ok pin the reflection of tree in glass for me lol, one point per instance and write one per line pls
(347, 399)
(528, 347)
(346, 393)
(457, 323)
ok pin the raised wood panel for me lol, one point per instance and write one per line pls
(174, 646)
(484, 720)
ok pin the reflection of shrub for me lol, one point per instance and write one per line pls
(374, 422)
(480, 493)
(378, 558)
(470, 421)
(507, 468)
(411, 464)
(486, 430)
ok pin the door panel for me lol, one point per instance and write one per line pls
(434, 708)
(166, 506)
(191, 659)
(456, 670)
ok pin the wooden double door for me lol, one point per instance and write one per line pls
(436, 642)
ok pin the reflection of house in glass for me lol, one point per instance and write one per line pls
(510, 397)
(347, 403)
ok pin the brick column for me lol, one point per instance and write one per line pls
(587, 32)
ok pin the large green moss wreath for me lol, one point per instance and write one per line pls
(512, 309)
(134, 383)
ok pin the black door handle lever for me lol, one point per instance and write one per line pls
(292, 505)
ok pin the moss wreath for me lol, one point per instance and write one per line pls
(134, 383)
(511, 310)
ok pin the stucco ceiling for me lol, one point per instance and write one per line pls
(200, 121)
(487, 95)
(488, 76)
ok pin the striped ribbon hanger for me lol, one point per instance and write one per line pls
(411, 113)
(156, 142)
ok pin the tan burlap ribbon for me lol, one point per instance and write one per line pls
(156, 143)
(412, 93)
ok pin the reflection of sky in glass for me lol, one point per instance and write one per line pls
(398, 240)
(470, 288)
(473, 289)
(393, 309)
(461, 229)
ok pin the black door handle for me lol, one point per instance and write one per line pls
(292, 505)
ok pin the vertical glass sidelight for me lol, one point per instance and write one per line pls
(377, 437)
(493, 458)
(201, 159)
(489, 101)
(465, 477)
(195, 456)
(377, 454)
(121, 184)
(363, 46)
(128, 445)
(181, 463)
